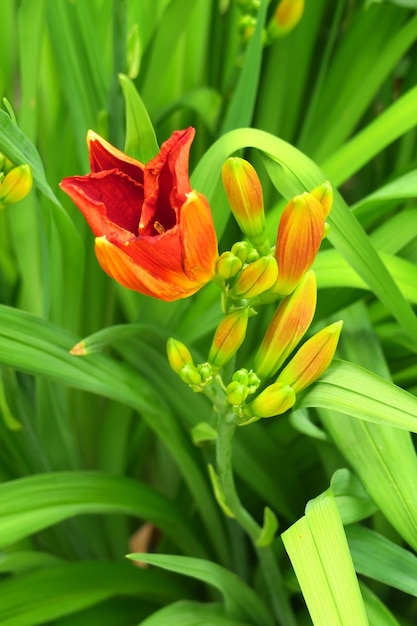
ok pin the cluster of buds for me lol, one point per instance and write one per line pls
(181, 361)
(15, 181)
(253, 273)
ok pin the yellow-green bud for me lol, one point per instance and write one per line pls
(288, 326)
(324, 194)
(178, 355)
(287, 15)
(241, 249)
(312, 359)
(256, 278)
(274, 400)
(244, 192)
(228, 265)
(190, 375)
(236, 393)
(253, 255)
(228, 337)
(241, 376)
(16, 185)
(206, 372)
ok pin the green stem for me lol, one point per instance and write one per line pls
(272, 575)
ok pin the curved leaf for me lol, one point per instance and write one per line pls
(241, 601)
(30, 504)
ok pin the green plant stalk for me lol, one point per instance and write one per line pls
(268, 563)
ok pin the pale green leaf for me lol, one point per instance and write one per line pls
(319, 553)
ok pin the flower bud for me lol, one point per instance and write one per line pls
(300, 233)
(287, 15)
(190, 375)
(242, 249)
(178, 355)
(16, 185)
(324, 194)
(228, 265)
(228, 337)
(255, 278)
(236, 393)
(288, 326)
(206, 372)
(274, 400)
(241, 376)
(244, 192)
(312, 359)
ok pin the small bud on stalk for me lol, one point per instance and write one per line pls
(274, 400)
(256, 278)
(228, 337)
(228, 265)
(178, 355)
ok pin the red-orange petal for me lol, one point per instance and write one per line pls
(104, 156)
(166, 182)
(110, 202)
(117, 264)
(198, 238)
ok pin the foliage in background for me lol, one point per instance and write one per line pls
(94, 447)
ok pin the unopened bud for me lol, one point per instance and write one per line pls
(288, 326)
(324, 194)
(287, 15)
(206, 372)
(300, 233)
(228, 265)
(228, 337)
(236, 393)
(178, 355)
(312, 359)
(242, 249)
(190, 375)
(244, 192)
(16, 185)
(241, 376)
(274, 400)
(256, 278)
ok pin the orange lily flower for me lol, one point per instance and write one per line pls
(153, 233)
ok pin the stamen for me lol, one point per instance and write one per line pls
(159, 228)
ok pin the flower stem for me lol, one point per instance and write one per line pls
(269, 566)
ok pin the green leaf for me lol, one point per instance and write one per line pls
(380, 133)
(185, 613)
(319, 553)
(17, 147)
(242, 104)
(378, 558)
(41, 596)
(350, 389)
(377, 612)
(353, 503)
(242, 603)
(141, 143)
(30, 504)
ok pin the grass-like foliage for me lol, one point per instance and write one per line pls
(128, 497)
